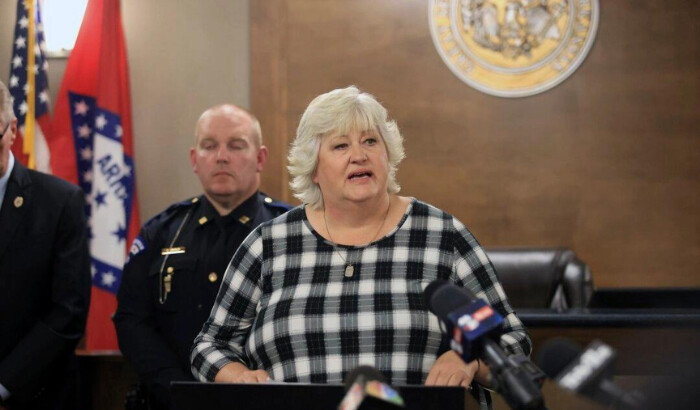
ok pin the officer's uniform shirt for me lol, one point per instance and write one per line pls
(156, 323)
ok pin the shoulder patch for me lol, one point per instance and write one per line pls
(137, 246)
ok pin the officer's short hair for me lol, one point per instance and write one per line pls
(231, 109)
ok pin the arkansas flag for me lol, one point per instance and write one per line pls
(29, 87)
(93, 147)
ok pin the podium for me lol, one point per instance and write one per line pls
(303, 396)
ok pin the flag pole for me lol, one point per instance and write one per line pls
(29, 120)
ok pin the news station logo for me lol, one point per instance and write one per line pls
(384, 392)
(470, 322)
(597, 356)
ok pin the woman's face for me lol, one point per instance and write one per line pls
(352, 167)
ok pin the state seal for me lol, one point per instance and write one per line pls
(513, 48)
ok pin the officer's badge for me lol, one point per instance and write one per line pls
(513, 48)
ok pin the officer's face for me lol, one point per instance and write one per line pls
(6, 140)
(227, 157)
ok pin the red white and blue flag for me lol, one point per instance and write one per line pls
(29, 87)
(92, 127)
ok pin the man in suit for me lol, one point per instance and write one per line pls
(177, 262)
(44, 279)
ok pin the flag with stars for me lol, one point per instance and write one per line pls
(92, 128)
(29, 87)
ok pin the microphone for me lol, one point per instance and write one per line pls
(366, 390)
(467, 318)
(476, 328)
(586, 372)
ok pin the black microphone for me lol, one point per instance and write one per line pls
(366, 390)
(586, 372)
(476, 329)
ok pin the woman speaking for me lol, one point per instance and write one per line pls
(337, 282)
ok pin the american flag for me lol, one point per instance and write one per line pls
(29, 87)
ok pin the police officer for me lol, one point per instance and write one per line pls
(176, 263)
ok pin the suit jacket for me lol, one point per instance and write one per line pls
(44, 282)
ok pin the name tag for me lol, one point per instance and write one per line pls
(172, 251)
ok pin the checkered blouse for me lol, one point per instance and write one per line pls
(285, 305)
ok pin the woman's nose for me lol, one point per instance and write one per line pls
(357, 154)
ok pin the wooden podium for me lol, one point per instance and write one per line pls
(302, 396)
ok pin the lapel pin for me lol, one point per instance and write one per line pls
(18, 201)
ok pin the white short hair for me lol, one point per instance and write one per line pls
(339, 111)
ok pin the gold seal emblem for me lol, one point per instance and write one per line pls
(19, 201)
(513, 48)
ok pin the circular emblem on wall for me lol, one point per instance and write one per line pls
(513, 48)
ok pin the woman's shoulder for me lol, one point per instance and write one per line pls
(437, 218)
(420, 208)
(269, 231)
(293, 216)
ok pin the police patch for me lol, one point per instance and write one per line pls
(137, 247)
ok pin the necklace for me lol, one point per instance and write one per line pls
(349, 268)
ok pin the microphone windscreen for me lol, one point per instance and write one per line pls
(443, 297)
(431, 289)
(368, 373)
(556, 354)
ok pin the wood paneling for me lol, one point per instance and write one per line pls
(606, 163)
(268, 68)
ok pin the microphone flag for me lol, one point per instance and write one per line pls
(366, 390)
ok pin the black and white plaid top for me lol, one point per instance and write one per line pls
(285, 305)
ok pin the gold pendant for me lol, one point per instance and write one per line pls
(349, 270)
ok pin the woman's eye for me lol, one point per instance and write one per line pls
(371, 141)
(340, 146)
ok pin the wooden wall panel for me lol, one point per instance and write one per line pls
(606, 163)
(268, 65)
